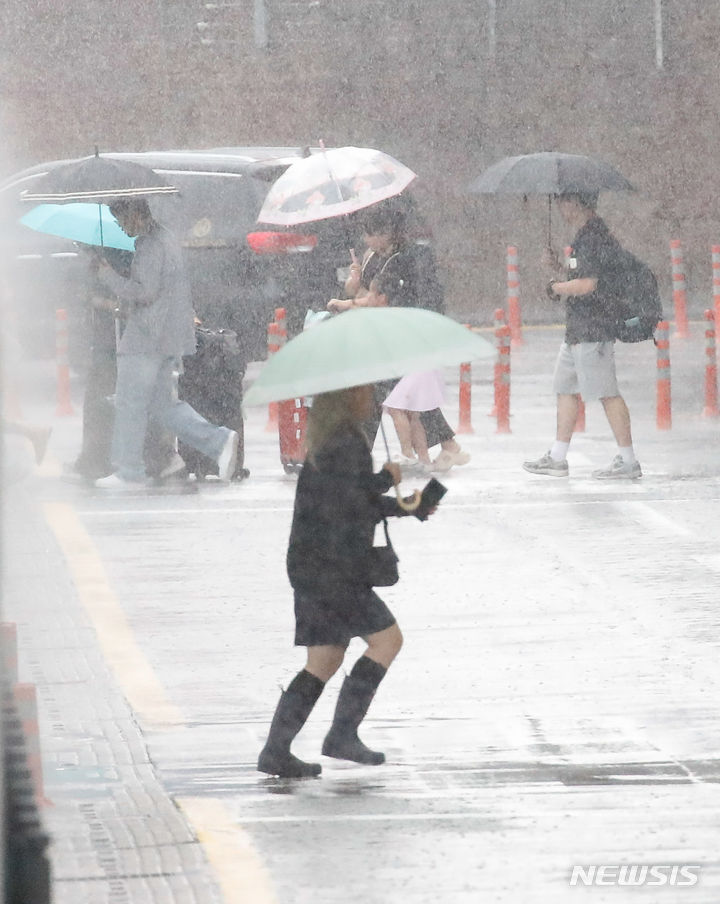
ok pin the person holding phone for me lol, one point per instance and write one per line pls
(338, 502)
(398, 272)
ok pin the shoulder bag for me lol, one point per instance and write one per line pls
(383, 563)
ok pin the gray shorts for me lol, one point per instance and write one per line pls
(586, 369)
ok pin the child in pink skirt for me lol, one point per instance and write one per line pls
(414, 393)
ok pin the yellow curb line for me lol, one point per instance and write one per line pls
(133, 672)
(238, 869)
(241, 874)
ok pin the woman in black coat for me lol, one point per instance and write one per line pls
(339, 501)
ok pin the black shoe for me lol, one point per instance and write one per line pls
(351, 748)
(285, 765)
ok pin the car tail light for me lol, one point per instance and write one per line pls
(280, 242)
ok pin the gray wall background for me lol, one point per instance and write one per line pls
(448, 87)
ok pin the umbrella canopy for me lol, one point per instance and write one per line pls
(364, 345)
(101, 179)
(331, 183)
(549, 173)
(91, 224)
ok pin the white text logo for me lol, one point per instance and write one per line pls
(629, 874)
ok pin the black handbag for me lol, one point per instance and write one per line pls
(383, 564)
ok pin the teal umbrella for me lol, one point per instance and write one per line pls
(91, 224)
(364, 345)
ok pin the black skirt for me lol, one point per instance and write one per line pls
(335, 617)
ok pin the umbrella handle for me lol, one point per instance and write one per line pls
(411, 506)
(414, 503)
(549, 221)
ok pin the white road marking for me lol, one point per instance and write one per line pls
(371, 817)
(653, 519)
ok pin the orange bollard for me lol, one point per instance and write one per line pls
(664, 395)
(64, 402)
(281, 320)
(25, 699)
(580, 419)
(8, 645)
(513, 296)
(498, 321)
(274, 343)
(465, 398)
(502, 380)
(716, 283)
(679, 290)
(711, 384)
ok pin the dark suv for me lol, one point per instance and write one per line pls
(240, 272)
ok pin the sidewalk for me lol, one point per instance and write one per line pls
(118, 835)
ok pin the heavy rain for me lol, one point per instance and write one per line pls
(181, 593)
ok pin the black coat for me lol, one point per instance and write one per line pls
(338, 502)
(408, 278)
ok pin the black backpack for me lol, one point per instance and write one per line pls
(638, 307)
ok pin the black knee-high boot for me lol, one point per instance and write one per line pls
(293, 709)
(356, 695)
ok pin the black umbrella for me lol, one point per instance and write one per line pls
(549, 173)
(100, 179)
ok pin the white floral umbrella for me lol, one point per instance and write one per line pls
(330, 183)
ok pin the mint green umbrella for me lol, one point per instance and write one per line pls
(364, 345)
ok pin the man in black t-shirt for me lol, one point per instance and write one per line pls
(585, 368)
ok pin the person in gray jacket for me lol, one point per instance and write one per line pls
(159, 331)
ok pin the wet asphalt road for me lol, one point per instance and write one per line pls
(556, 701)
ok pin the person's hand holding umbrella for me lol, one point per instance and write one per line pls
(393, 468)
(552, 265)
(104, 303)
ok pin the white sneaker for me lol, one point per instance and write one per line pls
(447, 459)
(547, 465)
(619, 470)
(175, 466)
(116, 482)
(228, 457)
(408, 465)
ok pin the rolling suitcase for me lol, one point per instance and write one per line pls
(292, 421)
(211, 383)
